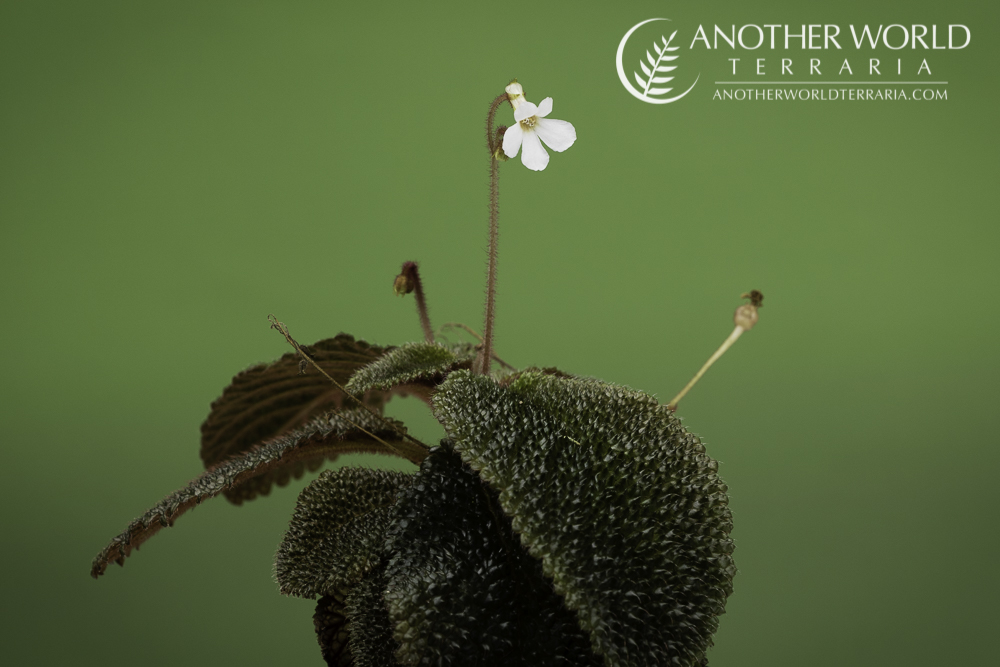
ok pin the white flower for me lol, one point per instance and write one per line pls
(532, 128)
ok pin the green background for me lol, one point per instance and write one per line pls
(170, 173)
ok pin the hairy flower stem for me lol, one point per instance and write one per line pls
(425, 320)
(485, 357)
(409, 281)
(491, 139)
(486, 351)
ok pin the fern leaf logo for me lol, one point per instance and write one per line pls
(663, 63)
(651, 78)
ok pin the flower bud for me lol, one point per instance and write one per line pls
(515, 93)
(402, 285)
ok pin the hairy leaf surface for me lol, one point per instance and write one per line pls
(332, 630)
(461, 589)
(416, 368)
(324, 437)
(267, 400)
(338, 530)
(621, 504)
(371, 639)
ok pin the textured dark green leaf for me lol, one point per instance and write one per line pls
(414, 368)
(371, 639)
(510, 378)
(337, 532)
(461, 589)
(324, 437)
(621, 504)
(330, 621)
(267, 400)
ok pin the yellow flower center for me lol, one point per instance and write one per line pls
(529, 122)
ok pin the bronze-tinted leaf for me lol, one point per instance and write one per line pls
(267, 400)
(621, 504)
(415, 368)
(325, 437)
(337, 532)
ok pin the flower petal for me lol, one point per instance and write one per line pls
(512, 140)
(545, 108)
(526, 110)
(557, 134)
(534, 156)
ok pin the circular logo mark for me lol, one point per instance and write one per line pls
(650, 80)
